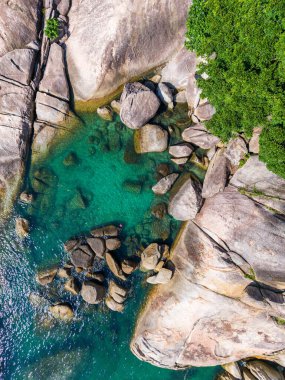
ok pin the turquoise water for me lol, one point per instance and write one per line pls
(91, 179)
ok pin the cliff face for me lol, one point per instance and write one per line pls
(226, 297)
(112, 42)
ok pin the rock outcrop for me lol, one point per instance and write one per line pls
(123, 42)
(226, 298)
(18, 24)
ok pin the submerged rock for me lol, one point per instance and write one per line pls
(165, 184)
(106, 231)
(150, 138)
(62, 311)
(22, 227)
(26, 197)
(46, 277)
(185, 198)
(138, 105)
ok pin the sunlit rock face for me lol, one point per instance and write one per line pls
(226, 299)
(18, 23)
(112, 42)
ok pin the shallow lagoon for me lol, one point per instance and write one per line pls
(87, 177)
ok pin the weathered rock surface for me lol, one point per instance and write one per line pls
(105, 113)
(198, 135)
(138, 105)
(123, 44)
(113, 305)
(92, 292)
(165, 95)
(54, 81)
(180, 150)
(249, 230)
(236, 151)
(222, 301)
(263, 371)
(178, 70)
(82, 257)
(51, 110)
(162, 277)
(46, 277)
(18, 24)
(165, 184)
(255, 177)
(216, 176)
(150, 257)
(114, 266)
(18, 65)
(150, 138)
(185, 198)
(254, 141)
(204, 111)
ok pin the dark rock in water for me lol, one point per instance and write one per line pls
(70, 245)
(163, 169)
(130, 155)
(96, 276)
(78, 201)
(113, 244)
(46, 277)
(26, 197)
(62, 311)
(72, 286)
(43, 178)
(114, 266)
(159, 210)
(22, 227)
(129, 266)
(82, 257)
(92, 292)
(114, 141)
(132, 186)
(160, 229)
(97, 245)
(138, 105)
(71, 159)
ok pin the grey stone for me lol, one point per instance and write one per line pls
(150, 257)
(165, 184)
(82, 257)
(204, 111)
(18, 65)
(236, 151)
(264, 371)
(114, 266)
(92, 292)
(97, 245)
(198, 135)
(254, 141)
(216, 176)
(54, 81)
(162, 277)
(180, 150)
(138, 105)
(185, 198)
(63, 7)
(105, 113)
(165, 95)
(150, 138)
(106, 52)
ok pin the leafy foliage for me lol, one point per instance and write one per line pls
(52, 28)
(247, 75)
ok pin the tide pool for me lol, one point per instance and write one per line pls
(91, 179)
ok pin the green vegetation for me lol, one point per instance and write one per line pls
(247, 71)
(52, 28)
(280, 321)
(251, 275)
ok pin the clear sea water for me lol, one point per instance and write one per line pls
(85, 190)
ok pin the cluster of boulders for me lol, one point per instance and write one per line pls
(85, 272)
(252, 370)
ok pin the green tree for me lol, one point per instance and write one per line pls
(247, 76)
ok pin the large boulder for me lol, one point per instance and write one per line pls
(125, 43)
(185, 198)
(201, 318)
(198, 135)
(18, 23)
(138, 105)
(150, 138)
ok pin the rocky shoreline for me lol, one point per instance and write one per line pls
(219, 291)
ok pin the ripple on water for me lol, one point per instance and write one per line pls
(85, 189)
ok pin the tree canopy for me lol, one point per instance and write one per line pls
(247, 72)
